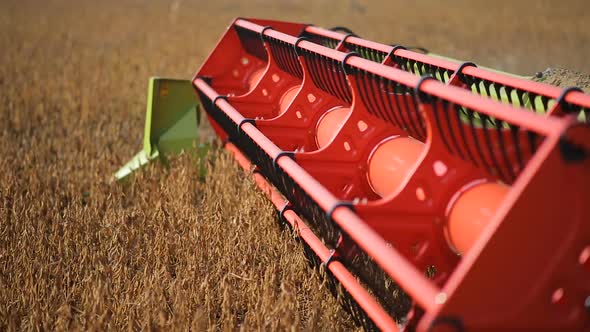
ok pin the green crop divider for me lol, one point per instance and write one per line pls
(171, 123)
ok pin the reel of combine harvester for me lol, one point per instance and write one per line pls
(425, 187)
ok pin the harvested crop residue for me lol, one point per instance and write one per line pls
(563, 77)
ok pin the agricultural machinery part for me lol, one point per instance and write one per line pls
(171, 122)
(437, 195)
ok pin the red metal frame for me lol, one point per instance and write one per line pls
(471, 77)
(465, 289)
(349, 282)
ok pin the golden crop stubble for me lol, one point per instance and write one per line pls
(166, 251)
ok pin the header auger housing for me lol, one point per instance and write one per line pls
(439, 195)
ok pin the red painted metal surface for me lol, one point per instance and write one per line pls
(357, 291)
(413, 182)
(523, 93)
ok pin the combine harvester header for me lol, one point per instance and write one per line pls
(439, 195)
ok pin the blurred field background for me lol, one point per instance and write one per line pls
(172, 250)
